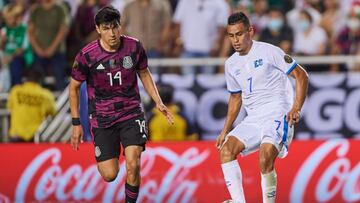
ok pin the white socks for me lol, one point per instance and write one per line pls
(233, 179)
(268, 185)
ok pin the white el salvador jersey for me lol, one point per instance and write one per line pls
(261, 76)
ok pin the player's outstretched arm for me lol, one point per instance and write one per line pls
(234, 106)
(149, 85)
(77, 133)
(301, 86)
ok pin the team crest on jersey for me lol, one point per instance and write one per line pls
(288, 59)
(127, 62)
(258, 63)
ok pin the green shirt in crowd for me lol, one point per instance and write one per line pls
(16, 38)
(47, 23)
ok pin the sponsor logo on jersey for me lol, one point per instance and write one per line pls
(127, 62)
(100, 67)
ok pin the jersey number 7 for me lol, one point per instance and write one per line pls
(250, 84)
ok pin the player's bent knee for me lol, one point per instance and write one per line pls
(108, 170)
(268, 154)
(109, 176)
(227, 154)
(266, 165)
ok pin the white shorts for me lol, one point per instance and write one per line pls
(253, 132)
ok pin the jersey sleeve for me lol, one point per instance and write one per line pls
(282, 61)
(80, 69)
(231, 84)
(143, 59)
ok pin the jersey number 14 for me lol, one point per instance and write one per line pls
(113, 79)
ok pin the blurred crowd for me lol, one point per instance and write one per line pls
(45, 35)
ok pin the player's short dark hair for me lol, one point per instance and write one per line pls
(238, 17)
(166, 93)
(107, 15)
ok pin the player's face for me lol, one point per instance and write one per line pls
(240, 37)
(110, 33)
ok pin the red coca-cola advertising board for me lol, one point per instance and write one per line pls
(184, 172)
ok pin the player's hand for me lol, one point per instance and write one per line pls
(293, 116)
(164, 110)
(220, 140)
(76, 137)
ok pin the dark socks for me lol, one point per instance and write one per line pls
(131, 193)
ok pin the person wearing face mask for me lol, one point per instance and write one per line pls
(348, 40)
(310, 39)
(277, 31)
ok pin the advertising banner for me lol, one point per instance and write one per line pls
(314, 171)
(331, 110)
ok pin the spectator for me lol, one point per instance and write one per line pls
(333, 18)
(277, 31)
(149, 21)
(283, 5)
(310, 39)
(348, 41)
(258, 17)
(236, 6)
(293, 15)
(120, 4)
(4, 75)
(29, 105)
(173, 4)
(200, 29)
(159, 130)
(82, 30)
(48, 27)
(73, 5)
(14, 41)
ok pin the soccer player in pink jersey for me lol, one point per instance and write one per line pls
(110, 66)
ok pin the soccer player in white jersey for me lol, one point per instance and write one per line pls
(257, 78)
